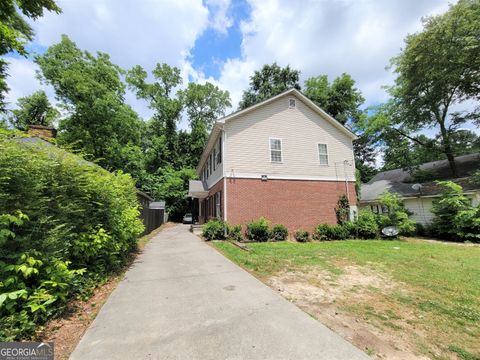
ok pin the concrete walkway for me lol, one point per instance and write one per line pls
(184, 300)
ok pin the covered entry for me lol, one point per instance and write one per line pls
(198, 191)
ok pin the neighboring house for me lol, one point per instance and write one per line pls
(284, 159)
(418, 197)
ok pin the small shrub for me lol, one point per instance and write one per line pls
(396, 215)
(446, 208)
(350, 229)
(366, 226)
(235, 232)
(214, 230)
(342, 211)
(322, 232)
(279, 233)
(332, 232)
(467, 224)
(258, 230)
(302, 236)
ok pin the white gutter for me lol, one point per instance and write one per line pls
(224, 139)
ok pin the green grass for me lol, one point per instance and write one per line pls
(443, 280)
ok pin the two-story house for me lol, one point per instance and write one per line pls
(284, 159)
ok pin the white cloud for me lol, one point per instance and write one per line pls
(140, 32)
(133, 32)
(22, 81)
(220, 20)
(327, 37)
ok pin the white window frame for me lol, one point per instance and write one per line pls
(270, 148)
(294, 103)
(318, 151)
(214, 158)
(218, 205)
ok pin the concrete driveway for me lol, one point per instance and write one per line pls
(184, 300)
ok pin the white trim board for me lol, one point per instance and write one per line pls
(284, 177)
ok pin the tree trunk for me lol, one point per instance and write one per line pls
(447, 146)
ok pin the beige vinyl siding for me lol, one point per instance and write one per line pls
(217, 174)
(300, 130)
(421, 209)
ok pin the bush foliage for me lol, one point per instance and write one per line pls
(279, 233)
(214, 229)
(64, 224)
(396, 214)
(302, 236)
(455, 217)
(258, 230)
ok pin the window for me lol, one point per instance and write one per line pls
(218, 206)
(214, 158)
(276, 150)
(292, 103)
(323, 154)
(219, 151)
(211, 163)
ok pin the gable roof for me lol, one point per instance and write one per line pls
(400, 181)
(303, 98)
(220, 122)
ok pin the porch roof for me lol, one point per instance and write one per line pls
(197, 189)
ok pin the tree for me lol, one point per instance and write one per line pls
(439, 69)
(203, 104)
(15, 32)
(173, 188)
(33, 110)
(90, 89)
(269, 81)
(341, 99)
(159, 95)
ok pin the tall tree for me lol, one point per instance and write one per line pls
(439, 68)
(269, 81)
(204, 103)
(33, 110)
(342, 100)
(160, 97)
(15, 32)
(91, 90)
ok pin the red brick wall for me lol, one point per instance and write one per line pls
(297, 204)
(215, 188)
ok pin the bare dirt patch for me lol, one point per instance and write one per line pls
(355, 305)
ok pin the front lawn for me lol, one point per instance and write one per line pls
(416, 297)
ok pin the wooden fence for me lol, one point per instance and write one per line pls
(152, 219)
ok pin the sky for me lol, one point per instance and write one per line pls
(224, 41)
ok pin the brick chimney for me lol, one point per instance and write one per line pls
(43, 132)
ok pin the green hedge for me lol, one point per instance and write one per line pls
(65, 224)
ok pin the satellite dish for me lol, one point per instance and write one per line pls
(416, 187)
(390, 231)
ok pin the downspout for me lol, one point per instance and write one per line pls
(224, 138)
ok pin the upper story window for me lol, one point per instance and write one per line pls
(214, 158)
(292, 103)
(323, 154)
(210, 163)
(219, 151)
(276, 150)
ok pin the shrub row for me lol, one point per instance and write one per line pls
(64, 225)
(258, 230)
